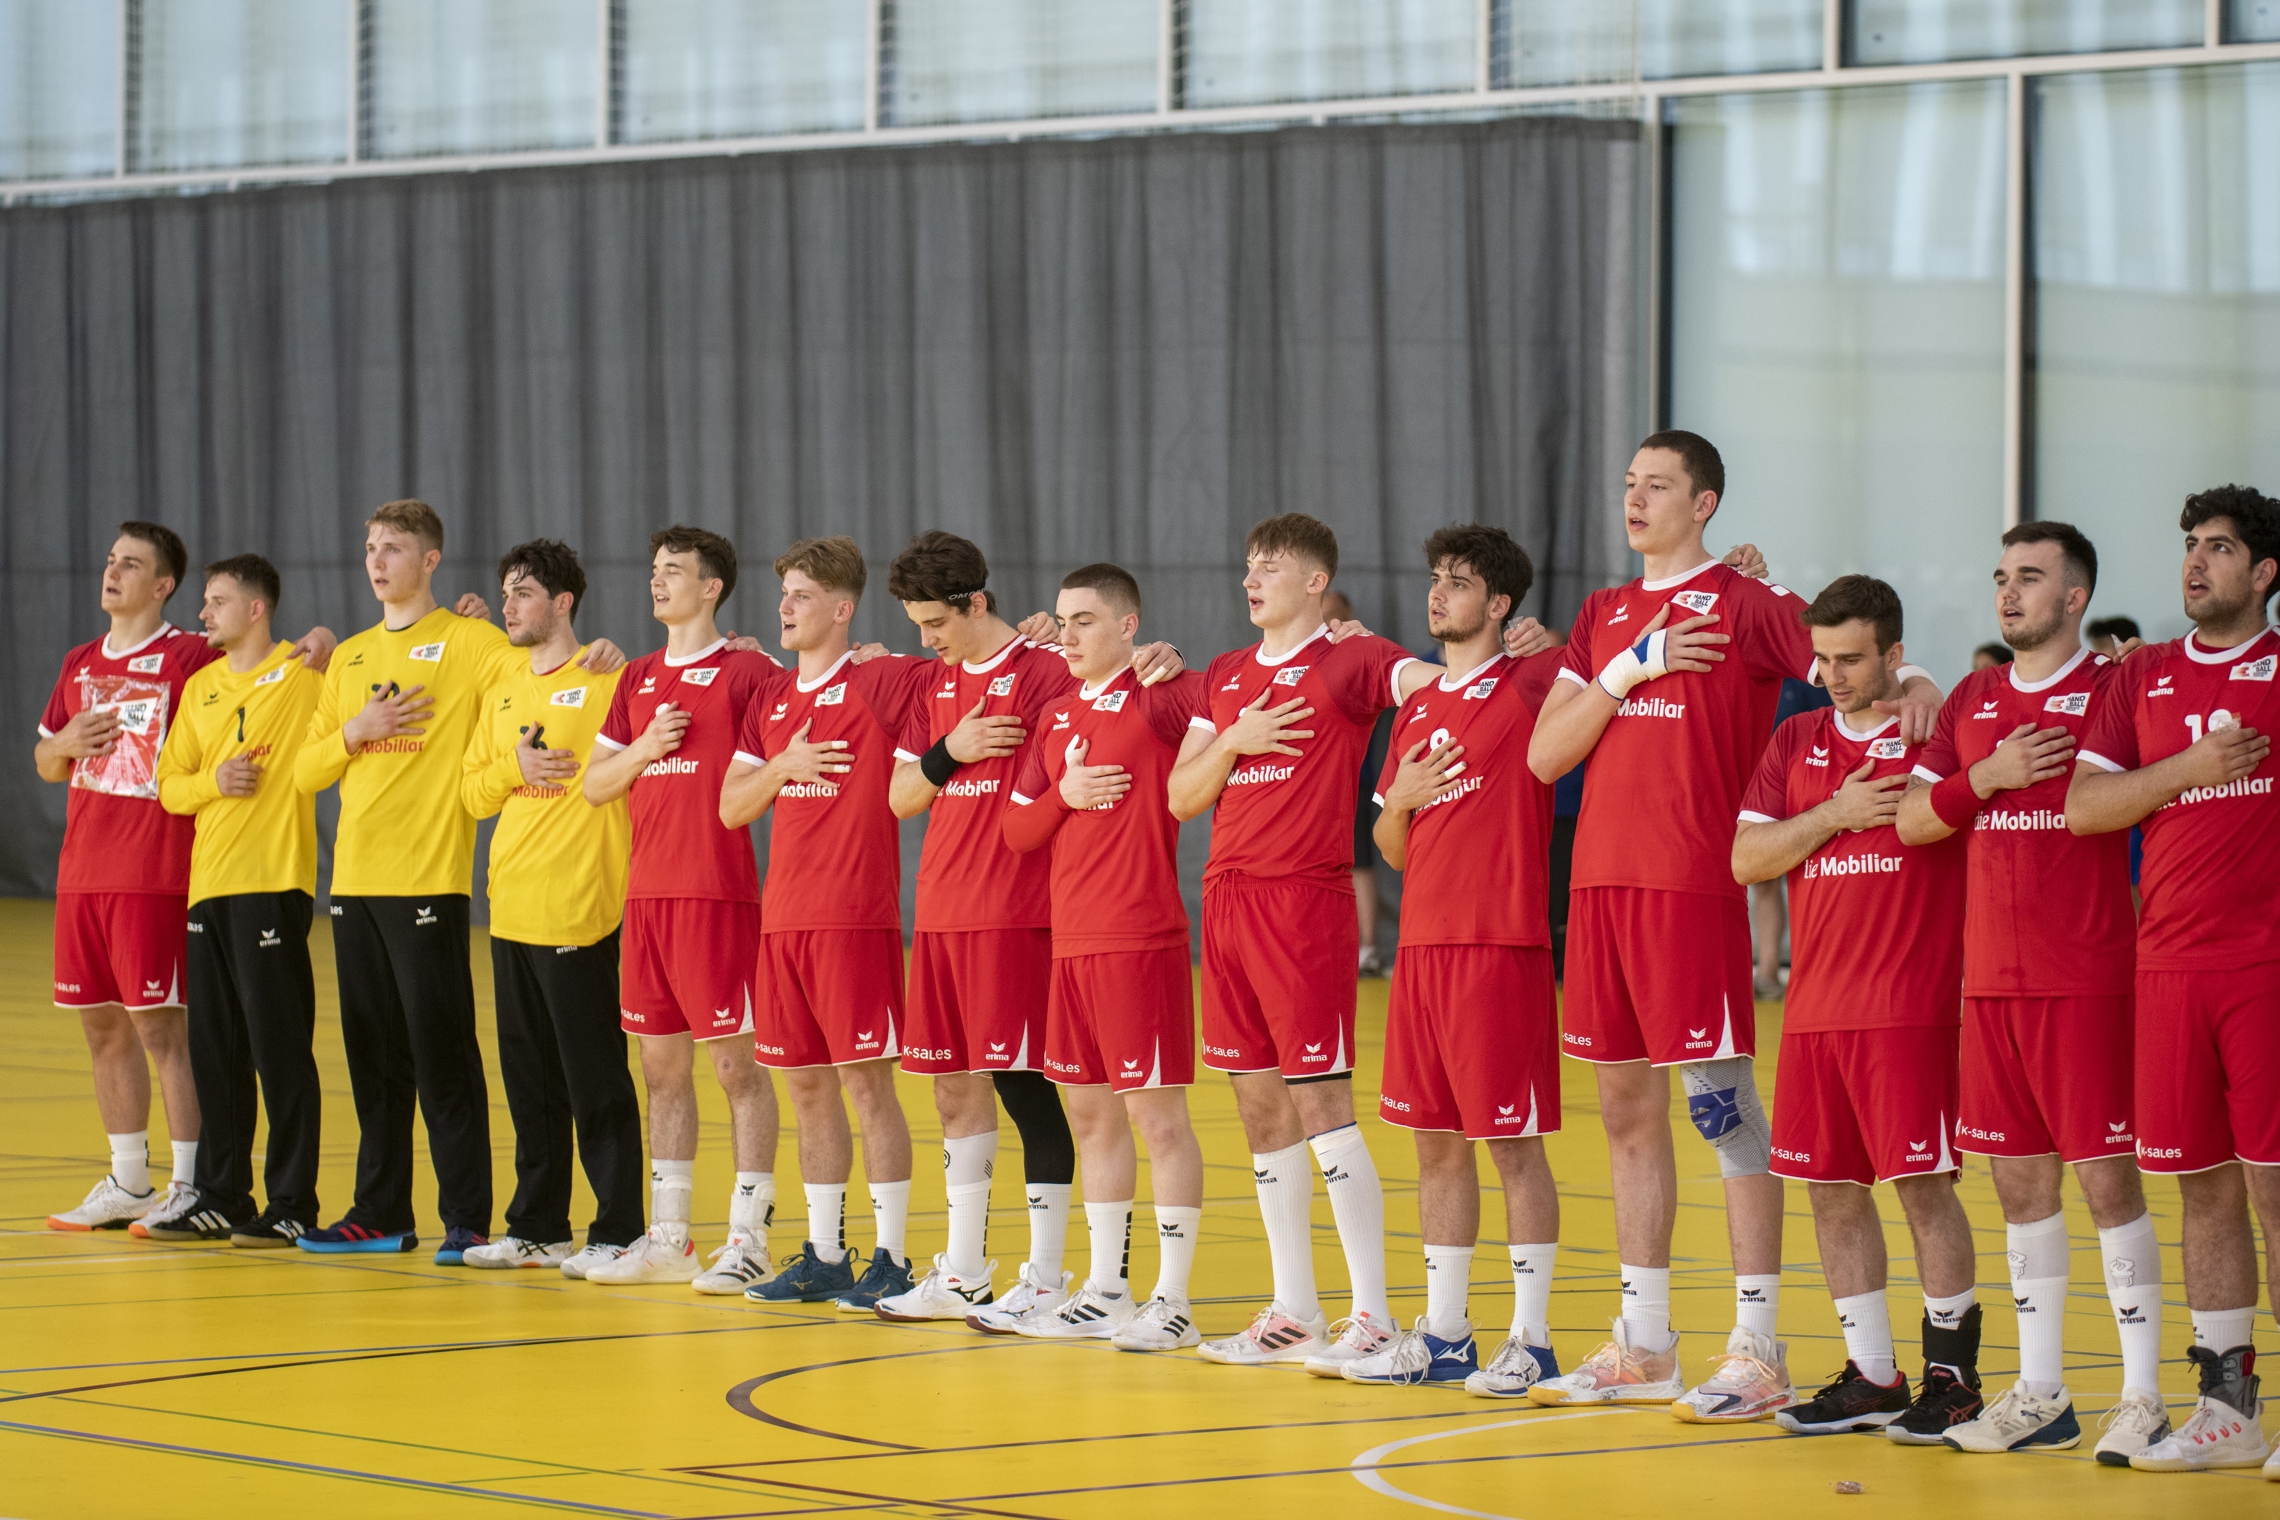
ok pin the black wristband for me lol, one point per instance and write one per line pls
(936, 765)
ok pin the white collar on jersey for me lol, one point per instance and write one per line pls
(1458, 683)
(808, 686)
(2199, 651)
(1260, 652)
(1085, 693)
(994, 661)
(1846, 729)
(2047, 682)
(706, 653)
(1676, 580)
(119, 654)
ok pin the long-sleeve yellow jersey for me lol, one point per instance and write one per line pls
(558, 864)
(403, 830)
(266, 842)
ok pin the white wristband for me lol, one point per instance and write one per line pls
(1906, 672)
(1643, 661)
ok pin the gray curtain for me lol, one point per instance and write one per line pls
(1128, 349)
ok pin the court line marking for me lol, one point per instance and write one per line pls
(1364, 1467)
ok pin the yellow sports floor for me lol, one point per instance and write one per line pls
(145, 1379)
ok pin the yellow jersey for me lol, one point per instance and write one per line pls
(403, 830)
(266, 842)
(558, 863)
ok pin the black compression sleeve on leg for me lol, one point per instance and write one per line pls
(1048, 1154)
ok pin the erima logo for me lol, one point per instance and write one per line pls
(426, 653)
(1505, 1108)
(778, 715)
(153, 989)
(1697, 602)
(574, 697)
(1479, 690)
(269, 937)
(997, 1047)
(648, 685)
(1060, 720)
(426, 915)
(702, 675)
(270, 679)
(1001, 687)
(1747, 1295)
(1291, 676)
(2246, 670)
(1888, 749)
(2073, 704)
(950, 691)
(1423, 712)
(832, 695)
(1622, 614)
(151, 664)
(1235, 683)
(1132, 1066)
(1109, 702)
(1820, 755)
(1945, 1316)
(1987, 710)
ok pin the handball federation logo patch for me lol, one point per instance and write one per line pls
(426, 653)
(574, 697)
(1697, 602)
(151, 664)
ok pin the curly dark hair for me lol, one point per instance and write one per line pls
(2254, 516)
(550, 562)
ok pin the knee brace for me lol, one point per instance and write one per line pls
(1048, 1151)
(1722, 1100)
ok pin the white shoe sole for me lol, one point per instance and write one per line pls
(1297, 1356)
(1635, 1393)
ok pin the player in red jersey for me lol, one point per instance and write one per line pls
(1120, 1027)
(820, 753)
(1472, 1039)
(1866, 1090)
(123, 880)
(692, 915)
(2180, 744)
(1669, 690)
(2047, 1013)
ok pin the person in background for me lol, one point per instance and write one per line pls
(1338, 608)
(2108, 634)
(1988, 656)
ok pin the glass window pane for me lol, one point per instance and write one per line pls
(59, 89)
(482, 76)
(1837, 331)
(2254, 21)
(1243, 52)
(2157, 310)
(230, 82)
(965, 60)
(1928, 31)
(1547, 42)
(741, 68)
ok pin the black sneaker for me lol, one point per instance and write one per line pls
(1850, 1404)
(884, 1278)
(268, 1232)
(203, 1219)
(457, 1242)
(1942, 1403)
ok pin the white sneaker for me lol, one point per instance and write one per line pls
(940, 1294)
(2138, 1421)
(513, 1251)
(1617, 1373)
(173, 1202)
(1273, 1336)
(1516, 1368)
(1163, 1324)
(2218, 1435)
(742, 1263)
(1751, 1381)
(1090, 1315)
(654, 1258)
(588, 1258)
(1030, 1295)
(106, 1207)
(2019, 1421)
(1351, 1339)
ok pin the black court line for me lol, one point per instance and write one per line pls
(740, 1397)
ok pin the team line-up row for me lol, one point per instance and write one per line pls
(1970, 972)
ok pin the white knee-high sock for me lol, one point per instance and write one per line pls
(967, 1164)
(1110, 1225)
(2132, 1258)
(1175, 1249)
(752, 1206)
(1867, 1322)
(130, 1160)
(1048, 1228)
(671, 1185)
(827, 1220)
(1448, 1280)
(1357, 1203)
(2037, 1255)
(1532, 1267)
(890, 1217)
(1285, 1180)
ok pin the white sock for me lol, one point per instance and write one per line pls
(1448, 1274)
(2223, 1329)
(1175, 1249)
(890, 1217)
(130, 1161)
(1757, 1302)
(1532, 1268)
(1111, 1227)
(1357, 1203)
(2133, 1287)
(1048, 1228)
(185, 1161)
(1867, 1320)
(967, 1164)
(827, 1220)
(1646, 1305)
(671, 1184)
(1285, 1180)
(752, 1206)
(2037, 1255)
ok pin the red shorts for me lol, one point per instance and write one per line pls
(977, 1000)
(2208, 1068)
(1864, 1105)
(835, 997)
(1655, 976)
(1472, 1042)
(2045, 1076)
(1125, 1019)
(685, 967)
(1279, 961)
(119, 947)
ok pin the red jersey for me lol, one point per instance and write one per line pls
(1284, 816)
(1116, 878)
(1479, 869)
(1875, 926)
(1669, 769)
(835, 855)
(2212, 897)
(967, 878)
(116, 838)
(2050, 911)
(679, 847)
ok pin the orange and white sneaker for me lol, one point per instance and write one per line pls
(1617, 1373)
(1751, 1382)
(1273, 1338)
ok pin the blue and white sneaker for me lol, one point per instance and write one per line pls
(885, 1277)
(1419, 1356)
(1516, 1368)
(350, 1237)
(804, 1279)
(2019, 1421)
(457, 1242)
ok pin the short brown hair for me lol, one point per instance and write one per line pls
(1857, 596)
(173, 555)
(941, 567)
(1113, 584)
(254, 573)
(1296, 533)
(553, 564)
(835, 563)
(407, 516)
(1705, 471)
(2076, 553)
(716, 556)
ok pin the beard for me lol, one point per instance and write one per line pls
(2221, 608)
(2035, 635)
(1455, 631)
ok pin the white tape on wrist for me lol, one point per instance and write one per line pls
(1908, 672)
(1643, 661)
